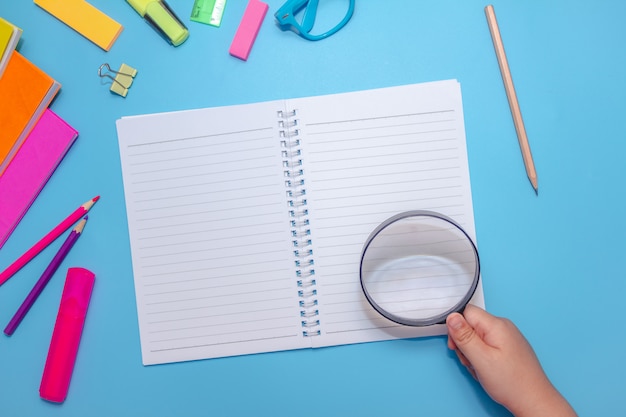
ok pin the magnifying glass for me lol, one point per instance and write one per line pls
(419, 266)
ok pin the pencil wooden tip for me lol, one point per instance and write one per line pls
(533, 181)
(90, 203)
(81, 225)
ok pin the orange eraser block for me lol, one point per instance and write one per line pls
(84, 19)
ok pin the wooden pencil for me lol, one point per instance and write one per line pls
(46, 240)
(511, 96)
(45, 277)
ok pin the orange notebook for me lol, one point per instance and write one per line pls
(25, 92)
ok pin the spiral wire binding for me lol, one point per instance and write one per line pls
(299, 221)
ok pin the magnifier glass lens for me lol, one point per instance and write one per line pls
(416, 269)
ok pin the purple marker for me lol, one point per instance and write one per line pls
(45, 277)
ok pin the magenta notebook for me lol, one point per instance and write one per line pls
(30, 169)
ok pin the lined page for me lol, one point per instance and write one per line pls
(209, 232)
(368, 156)
(209, 222)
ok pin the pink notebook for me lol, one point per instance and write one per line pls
(30, 169)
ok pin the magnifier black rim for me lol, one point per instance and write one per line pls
(439, 318)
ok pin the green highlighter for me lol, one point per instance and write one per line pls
(162, 18)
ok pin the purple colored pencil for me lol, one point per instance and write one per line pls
(45, 277)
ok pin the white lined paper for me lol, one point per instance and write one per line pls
(387, 152)
(206, 211)
(209, 225)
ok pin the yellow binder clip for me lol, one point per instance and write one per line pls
(122, 80)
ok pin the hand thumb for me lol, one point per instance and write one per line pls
(464, 335)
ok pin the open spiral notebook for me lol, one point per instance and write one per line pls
(247, 222)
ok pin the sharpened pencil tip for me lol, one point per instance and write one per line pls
(533, 182)
(89, 204)
(81, 225)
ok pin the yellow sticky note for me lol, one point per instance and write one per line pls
(84, 19)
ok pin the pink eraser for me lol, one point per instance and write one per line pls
(248, 29)
(66, 334)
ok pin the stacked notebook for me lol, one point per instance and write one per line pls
(9, 37)
(33, 140)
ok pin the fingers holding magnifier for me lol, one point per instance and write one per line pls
(466, 363)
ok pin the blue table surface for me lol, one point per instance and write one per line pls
(551, 262)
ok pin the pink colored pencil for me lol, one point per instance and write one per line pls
(47, 239)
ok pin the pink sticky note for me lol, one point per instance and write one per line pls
(30, 169)
(248, 29)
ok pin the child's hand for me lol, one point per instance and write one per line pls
(496, 353)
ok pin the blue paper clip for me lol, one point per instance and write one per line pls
(285, 17)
